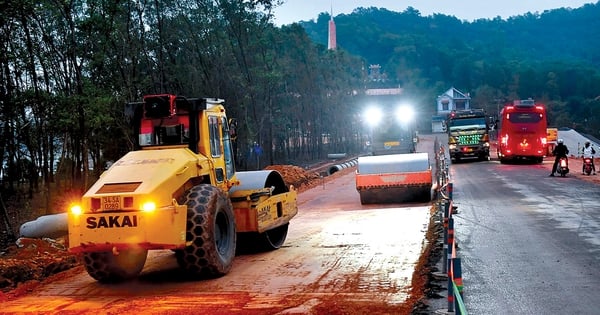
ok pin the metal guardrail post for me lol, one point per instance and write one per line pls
(449, 245)
(457, 288)
(450, 264)
(450, 290)
(446, 235)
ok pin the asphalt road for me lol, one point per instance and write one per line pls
(529, 244)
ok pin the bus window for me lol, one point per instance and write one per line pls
(524, 118)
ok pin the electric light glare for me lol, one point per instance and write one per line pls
(149, 206)
(76, 209)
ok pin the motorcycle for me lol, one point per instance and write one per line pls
(587, 165)
(563, 166)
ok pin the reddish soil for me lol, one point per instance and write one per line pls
(30, 261)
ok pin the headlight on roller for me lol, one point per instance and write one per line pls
(76, 209)
(149, 206)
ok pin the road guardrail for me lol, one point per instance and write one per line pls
(451, 267)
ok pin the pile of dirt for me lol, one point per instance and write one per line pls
(33, 260)
(295, 175)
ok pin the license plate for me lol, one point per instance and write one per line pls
(111, 203)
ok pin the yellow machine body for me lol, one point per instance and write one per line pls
(140, 201)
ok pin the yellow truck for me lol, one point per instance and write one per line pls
(178, 190)
(551, 138)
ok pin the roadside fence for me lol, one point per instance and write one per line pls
(451, 267)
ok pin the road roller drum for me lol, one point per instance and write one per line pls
(394, 178)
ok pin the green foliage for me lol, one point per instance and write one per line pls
(68, 68)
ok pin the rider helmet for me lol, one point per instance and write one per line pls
(560, 141)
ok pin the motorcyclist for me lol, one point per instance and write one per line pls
(559, 151)
(588, 152)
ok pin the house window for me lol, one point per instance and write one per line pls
(445, 103)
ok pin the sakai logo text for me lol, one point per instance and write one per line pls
(263, 213)
(113, 221)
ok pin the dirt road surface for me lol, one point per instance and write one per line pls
(340, 257)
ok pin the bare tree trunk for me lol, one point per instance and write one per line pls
(10, 235)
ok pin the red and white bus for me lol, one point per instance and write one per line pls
(522, 131)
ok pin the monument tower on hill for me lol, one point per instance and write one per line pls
(331, 42)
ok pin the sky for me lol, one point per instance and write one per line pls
(305, 10)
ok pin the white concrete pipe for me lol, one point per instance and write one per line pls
(50, 226)
(339, 167)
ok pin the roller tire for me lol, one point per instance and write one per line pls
(212, 232)
(109, 268)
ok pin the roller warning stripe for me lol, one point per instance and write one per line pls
(394, 186)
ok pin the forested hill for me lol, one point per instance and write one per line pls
(380, 35)
(553, 57)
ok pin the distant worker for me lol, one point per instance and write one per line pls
(560, 151)
(588, 152)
